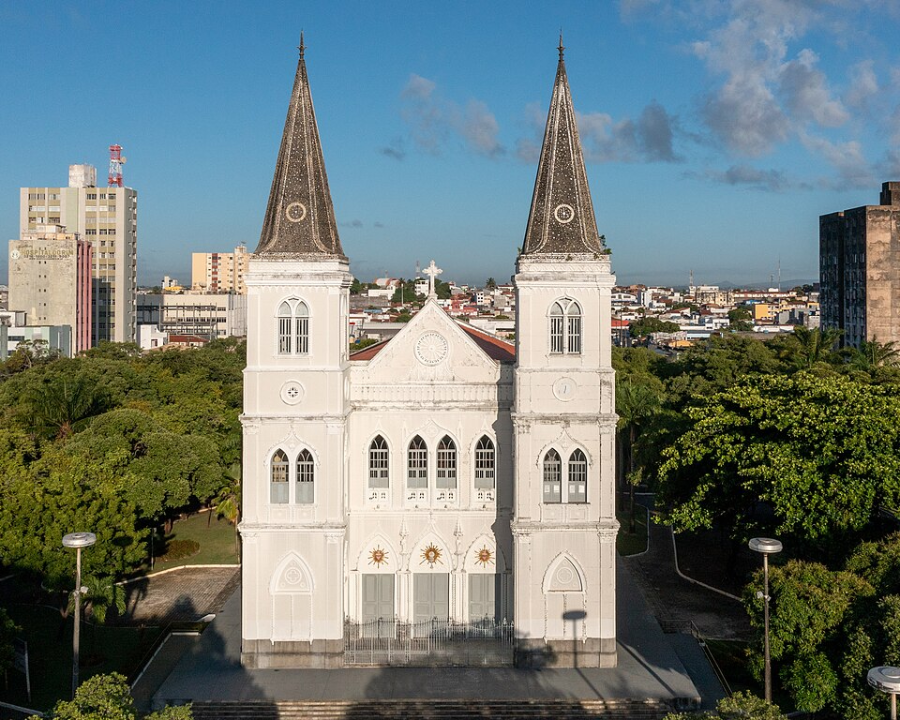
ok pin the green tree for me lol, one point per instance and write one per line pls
(490, 284)
(740, 706)
(648, 325)
(821, 453)
(8, 632)
(873, 355)
(806, 348)
(636, 404)
(740, 319)
(228, 501)
(107, 697)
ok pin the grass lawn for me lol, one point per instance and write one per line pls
(49, 637)
(632, 543)
(216, 542)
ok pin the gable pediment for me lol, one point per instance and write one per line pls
(432, 348)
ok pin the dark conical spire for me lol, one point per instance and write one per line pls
(562, 214)
(300, 216)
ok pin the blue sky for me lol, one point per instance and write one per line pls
(716, 132)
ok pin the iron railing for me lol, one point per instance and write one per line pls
(434, 642)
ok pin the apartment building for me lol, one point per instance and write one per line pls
(859, 268)
(107, 218)
(220, 272)
(50, 279)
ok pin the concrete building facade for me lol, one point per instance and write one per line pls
(220, 272)
(50, 280)
(859, 270)
(107, 218)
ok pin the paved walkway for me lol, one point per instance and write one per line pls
(649, 667)
(183, 595)
(675, 601)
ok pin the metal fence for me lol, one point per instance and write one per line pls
(432, 642)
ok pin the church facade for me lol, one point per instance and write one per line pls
(442, 475)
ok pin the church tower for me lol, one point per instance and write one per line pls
(564, 418)
(295, 409)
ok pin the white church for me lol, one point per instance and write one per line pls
(442, 478)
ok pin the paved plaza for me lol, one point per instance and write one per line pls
(651, 665)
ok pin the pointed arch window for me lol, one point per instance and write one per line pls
(306, 478)
(565, 327)
(378, 463)
(293, 328)
(577, 477)
(279, 487)
(417, 464)
(485, 464)
(446, 463)
(552, 477)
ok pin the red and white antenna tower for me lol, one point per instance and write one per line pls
(116, 161)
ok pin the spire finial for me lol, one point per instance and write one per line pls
(561, 48)
(301, 47)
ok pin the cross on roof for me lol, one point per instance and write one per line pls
(432, 271)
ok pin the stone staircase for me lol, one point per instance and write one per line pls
(432, 710)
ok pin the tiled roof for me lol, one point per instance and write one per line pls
(494, 347)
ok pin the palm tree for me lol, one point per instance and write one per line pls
(64, 406)
(873, 354)
(809, 347)
(228, 501)
(101, 595)
(635, 404)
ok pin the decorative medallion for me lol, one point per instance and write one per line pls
(378, 557)
(564, 389)
(431, 555)
(295, 212)
(564, 213)
(431, 348)
(292, 392)
(15, 254)
(293, 576)
(484, 557)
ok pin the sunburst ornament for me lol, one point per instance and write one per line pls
(378, 557)
(484, 557)
(431, 555)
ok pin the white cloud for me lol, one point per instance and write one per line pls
(863, 84)
(806, 92)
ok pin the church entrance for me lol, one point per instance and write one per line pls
(484, 595)
(431, 597)
(377, 597)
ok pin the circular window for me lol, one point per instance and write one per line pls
(431, 348)
(292, 392)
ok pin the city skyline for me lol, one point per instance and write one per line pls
(715, 133)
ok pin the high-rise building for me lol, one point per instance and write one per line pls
(107, 218)
(859, 270)
(220, 272)
(50, 279)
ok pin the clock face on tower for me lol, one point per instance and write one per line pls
(431, 348)
(564, 213)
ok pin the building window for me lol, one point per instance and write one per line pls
(306, 476)
(485, 464)
(280, 487)
(417, 464)
(577, 477)
(446, 463)
(565, 327)
(293, 328)
(378, 463)
(552, 477)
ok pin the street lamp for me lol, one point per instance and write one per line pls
(886, 679)
(766, 546)
(77, 540)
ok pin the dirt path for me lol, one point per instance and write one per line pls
(675, 601)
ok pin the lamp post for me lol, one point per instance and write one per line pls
(766, 546)
(77, 540)
(886, 679)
